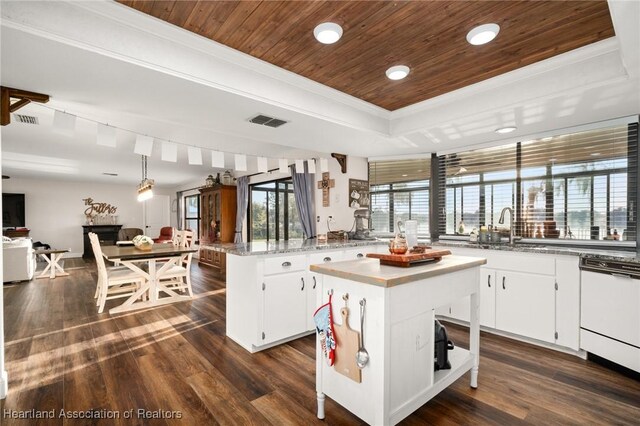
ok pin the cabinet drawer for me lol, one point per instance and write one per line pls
(280, 264)
(324, 257)
(358, 253)
(522, 262)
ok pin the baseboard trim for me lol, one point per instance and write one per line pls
(579, 353)
(4, 385)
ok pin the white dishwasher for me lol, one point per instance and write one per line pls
(610, 310)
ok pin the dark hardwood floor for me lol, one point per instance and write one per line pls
(62, 354)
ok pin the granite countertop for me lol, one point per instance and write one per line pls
(595, 253)
(291, 246)
(369, 271)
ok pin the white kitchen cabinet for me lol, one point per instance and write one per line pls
(488, 297)
(412, 370)
(568, 302)
(525, 304)
(556, 295)
(284, 306)
(460, 309)
(271, 298)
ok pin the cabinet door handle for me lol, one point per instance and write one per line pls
(286, 264)
(327, 259)
(302, 279)
(314, 283)
(359, 255)
(489, 280)
(503, 279)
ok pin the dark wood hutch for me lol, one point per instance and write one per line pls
(218, 222)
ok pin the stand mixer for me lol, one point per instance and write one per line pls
(361, 232)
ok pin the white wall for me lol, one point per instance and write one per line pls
(357, 168)
(55, 210)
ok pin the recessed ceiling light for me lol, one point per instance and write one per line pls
(595, 154)
(547, 139)
(327, 32)
(483, 34)
(398, 72)
(508, 129)
(553, 159)
(405, 175)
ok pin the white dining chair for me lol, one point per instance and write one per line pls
(178, 277)
(112, 283)
(177, 237)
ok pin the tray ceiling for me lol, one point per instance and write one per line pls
(429, 37)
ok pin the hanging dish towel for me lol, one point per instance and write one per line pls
(323, 318)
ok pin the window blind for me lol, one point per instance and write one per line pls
(581, 185)
(475, 186)
(574, 186)
(399, 191)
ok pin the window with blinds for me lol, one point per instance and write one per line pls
(579, 186)
(399, 191)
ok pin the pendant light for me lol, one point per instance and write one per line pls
(145, 190)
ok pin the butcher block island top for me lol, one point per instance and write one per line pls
(370, 271)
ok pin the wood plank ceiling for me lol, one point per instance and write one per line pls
(427, 36)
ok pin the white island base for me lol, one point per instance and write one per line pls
(398, 334)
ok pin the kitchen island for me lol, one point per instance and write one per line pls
(271, 294)
(398, 332)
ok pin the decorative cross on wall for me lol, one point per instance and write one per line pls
(325, 184)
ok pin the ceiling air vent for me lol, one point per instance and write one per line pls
(27, 119)
(267, 121)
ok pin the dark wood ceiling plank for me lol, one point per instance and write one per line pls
(162, 9)
(243, 10)
(429, 37)
(361, 66)
(353, 18)
(179, 15)
(143, 6)
(250, 25)
(200, 19)
(465, 75)
(257, 46)
(292, 45)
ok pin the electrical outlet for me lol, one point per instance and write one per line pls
(330, 219)
(318, 219)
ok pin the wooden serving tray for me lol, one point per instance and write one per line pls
(410, 259)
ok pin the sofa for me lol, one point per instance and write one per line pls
(18, 261)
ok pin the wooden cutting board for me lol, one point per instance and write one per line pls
(409, 259)
(347, 344)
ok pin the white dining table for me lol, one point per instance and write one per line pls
(133, 258)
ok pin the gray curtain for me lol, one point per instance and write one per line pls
(243, 201)
(303, 189)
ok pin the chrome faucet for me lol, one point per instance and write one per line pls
(511, 229)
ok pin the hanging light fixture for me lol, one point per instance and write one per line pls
(145, 188)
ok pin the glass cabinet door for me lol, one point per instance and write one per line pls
(216, 214)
